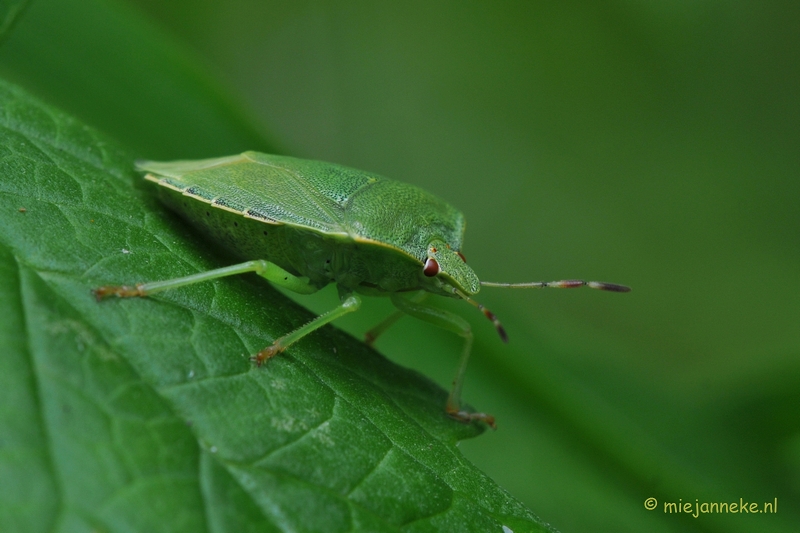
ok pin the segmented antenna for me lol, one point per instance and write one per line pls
(563, 284)
(488, 314)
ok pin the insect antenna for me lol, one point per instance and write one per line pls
(488, 314)
(563, 284)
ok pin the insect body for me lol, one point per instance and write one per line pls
(304, 224)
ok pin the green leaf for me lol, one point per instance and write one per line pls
(146, 415)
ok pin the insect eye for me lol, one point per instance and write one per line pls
(462, 256)
(431, 267)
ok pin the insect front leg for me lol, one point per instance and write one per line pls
(456, 324)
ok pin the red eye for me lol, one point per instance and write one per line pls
(462, 256)
(431, 267)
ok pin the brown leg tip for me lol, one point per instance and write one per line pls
(266, 354)
(120, 291)
(467, 418)
(100, 293)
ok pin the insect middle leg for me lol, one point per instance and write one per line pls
(372, 335)
(456, 324)
(350, 303)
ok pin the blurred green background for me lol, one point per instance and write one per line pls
(656, 145)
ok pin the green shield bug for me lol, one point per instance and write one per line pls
(304, 224)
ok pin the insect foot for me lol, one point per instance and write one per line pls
(467, 417)
(267, 353)
(120, 291)
(370, 338)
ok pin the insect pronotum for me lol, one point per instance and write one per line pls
(304, 224)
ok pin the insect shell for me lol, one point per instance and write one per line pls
(330, 223)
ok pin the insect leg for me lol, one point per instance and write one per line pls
(350, 303)
(268, 270)
(372, 335)
(456, 324)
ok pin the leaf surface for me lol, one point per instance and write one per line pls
(146, 415)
